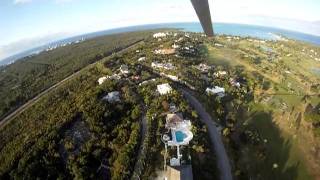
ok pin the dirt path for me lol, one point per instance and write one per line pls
(218, 147)
(32, 101)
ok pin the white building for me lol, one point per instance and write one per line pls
(124, 69)
(164, 51)
(218, 45)
(203, 67)
(112, 97)
(167, 66)
(114, 77)
(181, 135)
(172, 77)
(141, 59)
(164, 88)
(220, 91)
(102, 80)
(159, 35)
(220, 73)
(146, 82)
(175, 46)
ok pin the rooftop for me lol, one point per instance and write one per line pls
(164, 88)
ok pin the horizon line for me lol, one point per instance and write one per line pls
(141, 25)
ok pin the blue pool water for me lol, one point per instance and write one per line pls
(180, 136)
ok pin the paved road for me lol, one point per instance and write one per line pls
(222, 157)
(32, 101)
(141, 151)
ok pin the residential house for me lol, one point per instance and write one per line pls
(124, 69)
(219, 91)
(102, 80)
(164, 88)
(112, 97)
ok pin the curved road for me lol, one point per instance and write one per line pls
(222, 157)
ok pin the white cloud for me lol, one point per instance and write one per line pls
(24, 44)
(63, 1)
(29, 1)
(21, 1)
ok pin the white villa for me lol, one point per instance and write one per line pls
(159, 35)
(102, 80)
(124, 69)
(220, 91)
(181, 135)
(112, 97)
(218, 45)
(167, 66)
(164, 88)
(114, 76)
(141, 59)
(173, 78)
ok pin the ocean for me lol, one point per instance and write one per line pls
(261, 32)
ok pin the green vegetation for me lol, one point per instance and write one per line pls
(26, 78)
(266, 120)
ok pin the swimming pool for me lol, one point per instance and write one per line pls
(180, 136)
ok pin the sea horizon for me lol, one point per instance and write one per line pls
(220, 28)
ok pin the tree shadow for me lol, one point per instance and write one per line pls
(269, 155)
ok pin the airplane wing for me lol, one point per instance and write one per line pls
(203, 11)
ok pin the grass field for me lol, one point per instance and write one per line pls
(290, 78)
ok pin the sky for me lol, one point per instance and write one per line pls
(25, 24)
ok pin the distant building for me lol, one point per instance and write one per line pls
(112, 97)
(147, 81)
(164, 88)
(124, 69)
(172, 77)
(141, 59)
(159, 35)
(114, 77)
(167, 66)
(165, 51)
(203, 67)
(218, 45)
(102, 80)
(220, 73)
(175, 46)
(216, 91)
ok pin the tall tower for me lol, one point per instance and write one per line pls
(203, 11)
